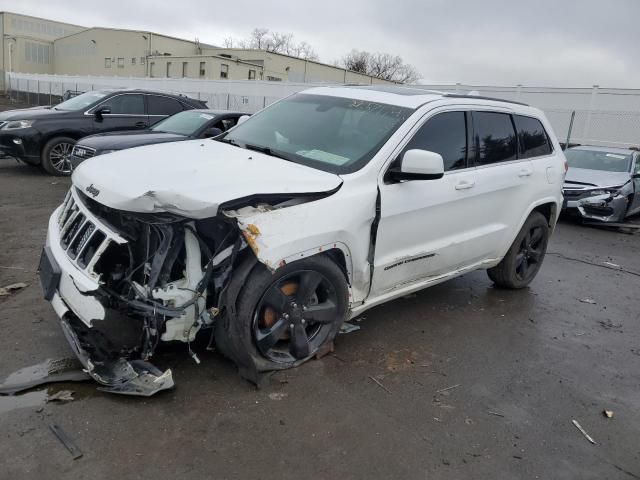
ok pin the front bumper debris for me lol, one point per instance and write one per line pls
(118, 375)
(602, 208)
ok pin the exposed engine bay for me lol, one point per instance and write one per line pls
(162, 282)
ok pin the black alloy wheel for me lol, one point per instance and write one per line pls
(294, 316)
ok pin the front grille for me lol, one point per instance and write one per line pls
(80, 237)
(82, 152)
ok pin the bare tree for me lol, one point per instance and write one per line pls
(381, 65)
(276, 42)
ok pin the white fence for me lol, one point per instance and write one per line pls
(603, 116)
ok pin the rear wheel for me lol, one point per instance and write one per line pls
(56, 156)
(286, 318)
(523, 260)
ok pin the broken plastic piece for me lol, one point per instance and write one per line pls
(347, 327)
(608, 413)
(126, 377)
(49, 371)
(6, 290)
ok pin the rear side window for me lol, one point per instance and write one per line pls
(446, 134)
(495, 136)
(130, 104)
(534, 141)
(163, 105)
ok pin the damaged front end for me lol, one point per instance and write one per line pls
(604, 204)
(122, 282)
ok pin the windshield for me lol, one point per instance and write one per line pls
(333, 134)
(598, 160)
(183, 123)
(81, 101)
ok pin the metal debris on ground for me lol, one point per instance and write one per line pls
(608, 413)
(347, 327)
(61, 396)
(448, 388)
(68, 443)
(380, 384)
(8, 289)
(495, 413)
(49, 371)
(582, 430)
(588, 300)
(278, 395)
(614, 265)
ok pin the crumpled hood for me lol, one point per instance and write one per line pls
(193, 178)
(596, 178)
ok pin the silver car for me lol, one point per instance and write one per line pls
(602, 182)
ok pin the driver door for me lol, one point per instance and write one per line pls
(431, 227)
(127, 112)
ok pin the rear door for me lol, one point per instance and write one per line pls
(161, 107)
(504, 177)
(127, 112)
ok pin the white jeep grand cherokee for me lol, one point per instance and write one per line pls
(323, 205)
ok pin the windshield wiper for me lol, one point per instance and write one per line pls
(230, 141)
(269, 151)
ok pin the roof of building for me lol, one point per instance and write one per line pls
(148, 32)
(41, 18)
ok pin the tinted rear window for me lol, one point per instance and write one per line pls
(163, 105)
(496, 137)
(534, 141)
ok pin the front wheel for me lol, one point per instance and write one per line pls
(56, 156)
(285, 318)
(523, 260)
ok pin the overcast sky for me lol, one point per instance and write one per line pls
(499, 42)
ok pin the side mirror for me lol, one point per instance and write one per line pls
(100, 111)
(211, 132)
(243, 119)
(419, 165)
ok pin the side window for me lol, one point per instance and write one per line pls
(637, 167)
(495, 136)
(130, 104)
(446, 134)
(534, 141)
(163, 105)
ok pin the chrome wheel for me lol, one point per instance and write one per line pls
(60, 157)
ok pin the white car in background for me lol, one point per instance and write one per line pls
(321, 206)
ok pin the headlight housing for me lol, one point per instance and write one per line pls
(604, 191)
(17, 124)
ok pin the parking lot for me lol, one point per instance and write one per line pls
(459, 381)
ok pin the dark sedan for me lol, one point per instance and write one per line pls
(45, 136)
(187, 125)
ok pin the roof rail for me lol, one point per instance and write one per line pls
(479, 97)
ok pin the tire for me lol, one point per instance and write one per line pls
(522, 262)
(278, 324)
(56, 156)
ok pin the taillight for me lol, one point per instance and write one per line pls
(566, 166)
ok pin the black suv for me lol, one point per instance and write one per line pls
(45, 135)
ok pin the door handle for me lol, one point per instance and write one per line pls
(525, 172)
(465, 184)
(141, 124)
